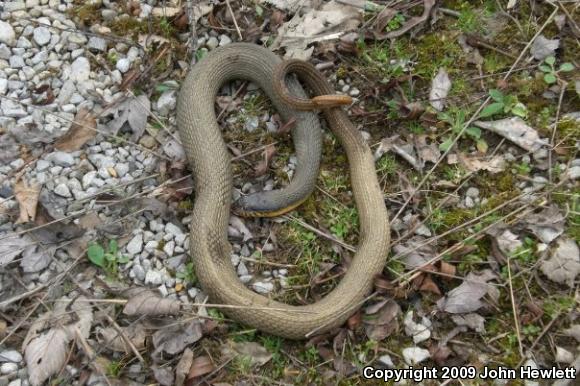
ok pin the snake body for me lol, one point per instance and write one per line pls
(210, 163)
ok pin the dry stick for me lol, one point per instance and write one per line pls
(474, 116)
(90, 353)
(563, 85)
(544, 331)
(514, 309)
(234, 18)
(142, 148)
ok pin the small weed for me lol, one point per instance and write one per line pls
(524, 168)
(188, 274)
(468, 20)
(387, 165)
(166, 27)
(114, 369)
(551, 75)
(108, 259)
(395, 23)
(456, 119)
(503, 104)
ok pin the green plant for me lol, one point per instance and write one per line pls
(395, 23)
(188, 274)
(551, 75)
(456, 120)
(108, 259)
(503, 104)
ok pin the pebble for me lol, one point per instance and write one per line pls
(469, 202)
(7, 34)
(139, 272)
(122, 169)
(169, 247)
(8, 368)
(41, 36)
(242, 269)
(10, 356)
(154, 278)
(123, 65)
(16, 382)
(263, 287)
(135, 246)
(212, 43)
(42, 165)
(472, 192)
(166, 102)
(414, 355)
(61, 158)
(225, 39)
(62, 190)
(173, 229)
(573, 173)
(80, 69)
(97, 43)
(246, 278)
(16, 61)
(192, 292)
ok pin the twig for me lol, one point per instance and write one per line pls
(234, 18)
(514, 309)
(563, 85)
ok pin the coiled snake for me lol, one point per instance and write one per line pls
(210, 163)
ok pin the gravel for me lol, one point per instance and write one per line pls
(7, 34)
(42, 36)
(135, 246)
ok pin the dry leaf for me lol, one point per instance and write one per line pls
(440, 87)
(13, 245)
(46, 355)
(145, 302)
(473, 164)
(262, 167)
(473, 321)
(547, 225)
(174, 338)
(427, 152)
(411, 23)
(330, 22)
(467, 297)
(564, 263)
(163, 375)
(133, 111)
(256, 353)
(403, 149)
(516, 130)
(201, 366)
(27, 197)
(542, 47)
(81, 131)
(385, 322)
(111, 338)
(415, 253)
(183, 366)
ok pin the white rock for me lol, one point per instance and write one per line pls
(135, 246)
(225, 39)
(414, 355)
(80, 69)
(263, 287)
(42, 165)
(41, 35)
(573, 173)
(472, 192)
(122, 169)
(7, 34)
(62, 190)
(242, 269)
(61, 158)
(8, 368)
(245, 278)
(387, 361)
(212, 43)
(166, 102)
(192, 292)
(123, 65)
(16, 382)
(97, 43)
(173, 229)
(10, 356)
(169, 247)
(139, 272)
(151, 246)
(563, 355)
(153, 277)
(16, 61)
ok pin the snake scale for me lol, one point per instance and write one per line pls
(210, 163)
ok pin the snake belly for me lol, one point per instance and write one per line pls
(210, 163)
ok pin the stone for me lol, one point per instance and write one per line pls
(122, 169)
(472, 192)
(166, 102)
(173, 229)
(246, 278)
(263, 287)
(108, 14)
(42, 165)
(7, 34)
(135, 246)
(62, 190)
(80, 69)
(41, 36)
(16, 61)
(123, 65)
(169, 247)
(242, 269)
(573, 173)
(97, 43)
(139, 272)
(16, 382)
(154, 277)
(8, 368)
(212, 43)
(61, 158)
(10, 356)
(469, 202)
(225, 39)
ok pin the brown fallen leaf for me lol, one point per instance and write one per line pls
(174, 338)
(81, 131)
(113, 340)
(183, 366)
(262, 167)
(256, 353)
(27, 197)
(201, 366)
(145, 302)
(383, 321)
(412, 22)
